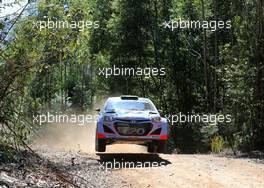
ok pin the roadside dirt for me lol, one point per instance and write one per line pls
(169, 171)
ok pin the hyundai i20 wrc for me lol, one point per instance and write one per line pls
(131, 119)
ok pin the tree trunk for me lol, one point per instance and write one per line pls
(258, 129)
(216, 57)
(205, 71)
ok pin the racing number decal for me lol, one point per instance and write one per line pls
(138, 131)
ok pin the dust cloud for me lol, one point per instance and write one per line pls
(78, 138)
(70, 136)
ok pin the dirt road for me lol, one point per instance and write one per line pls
(132, 166)
(198, 171)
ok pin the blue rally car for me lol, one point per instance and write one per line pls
(131, 119)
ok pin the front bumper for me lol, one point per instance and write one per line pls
(153, 131)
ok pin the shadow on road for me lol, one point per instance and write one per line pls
(131, 160)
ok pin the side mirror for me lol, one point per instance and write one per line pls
(161, 112)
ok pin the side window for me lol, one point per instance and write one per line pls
(108, 105)
(147, 106)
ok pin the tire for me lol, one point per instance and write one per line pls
(162, 146)
(100, 145)
(151, 148)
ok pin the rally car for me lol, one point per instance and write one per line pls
(131, 119)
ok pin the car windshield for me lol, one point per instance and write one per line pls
(130, 105)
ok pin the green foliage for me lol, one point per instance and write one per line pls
(217, 143)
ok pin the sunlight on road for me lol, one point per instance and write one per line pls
(126, 148)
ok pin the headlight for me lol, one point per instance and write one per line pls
(108, 118)
(156, 119)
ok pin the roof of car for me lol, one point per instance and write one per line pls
(140, 99)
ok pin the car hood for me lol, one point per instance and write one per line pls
(135, 115)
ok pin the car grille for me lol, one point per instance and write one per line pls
(129, 121)
(133, 128)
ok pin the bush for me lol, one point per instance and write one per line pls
(217, 143)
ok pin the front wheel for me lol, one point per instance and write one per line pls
(151, 148)
(162, 146)
(100, 145)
